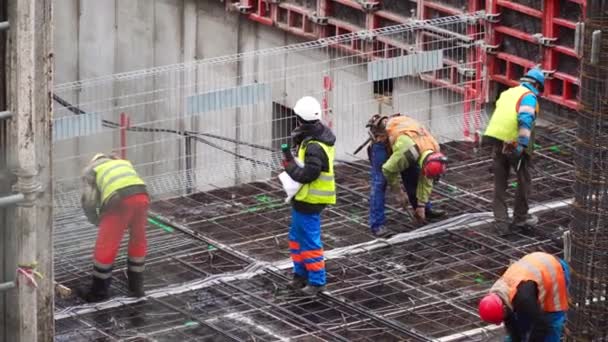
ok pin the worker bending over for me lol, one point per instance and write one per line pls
(416, 159)
(511, 133)
(115, 197)
(315, 144)
(531, 298)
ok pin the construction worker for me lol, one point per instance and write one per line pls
(115, 197)
(417, 160)
(531, 298)
(510, 131)
(315, 143)
(377, 152)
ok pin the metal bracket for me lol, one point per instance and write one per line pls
(466, 72)
(548, 73)
(490, 48)
(596, 42)
(366, 36)
(242, 8)
(317, 20)
(491, 18)
(579, 38)
(544, 41)
(369, 6)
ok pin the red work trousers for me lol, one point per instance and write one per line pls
(132, 213)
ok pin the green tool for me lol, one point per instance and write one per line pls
(514, 185)
(161, 225)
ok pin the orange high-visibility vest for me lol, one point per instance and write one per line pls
(546, 271)
(403, 125)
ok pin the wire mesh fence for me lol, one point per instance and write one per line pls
(219, 122)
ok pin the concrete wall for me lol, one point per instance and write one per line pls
(101, 37)
(96, 38)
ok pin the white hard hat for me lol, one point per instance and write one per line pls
(308, 108)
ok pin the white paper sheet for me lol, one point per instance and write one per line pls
(290, 186)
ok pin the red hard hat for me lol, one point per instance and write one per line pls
(434, 165)
(491, 309)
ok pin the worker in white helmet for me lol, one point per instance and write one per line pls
(315, 146)
(115, 197)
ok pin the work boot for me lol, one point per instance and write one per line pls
(434, 214)
(136, 284)
(382, 232)
(527, 224)
(312, 290)
(298, 282)
(500, 228)
(98, 292)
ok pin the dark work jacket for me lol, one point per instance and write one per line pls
(526, 307)
(315, 160)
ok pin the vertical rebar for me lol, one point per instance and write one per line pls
(588, 315)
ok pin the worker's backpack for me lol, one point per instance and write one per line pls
(403, 125)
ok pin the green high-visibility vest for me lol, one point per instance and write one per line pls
(503, 124)
(323, 189)
(114, 175)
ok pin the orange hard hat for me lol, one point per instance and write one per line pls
(491, 309)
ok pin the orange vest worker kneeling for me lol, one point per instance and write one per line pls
(531, 298)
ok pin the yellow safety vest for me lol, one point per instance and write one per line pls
(323, 189)
(503, 124)
(114, 175)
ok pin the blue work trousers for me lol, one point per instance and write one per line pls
(556, 319)
(306, 247)
(378, 156)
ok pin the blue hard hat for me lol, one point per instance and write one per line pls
(535, 75)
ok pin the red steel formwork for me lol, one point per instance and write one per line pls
(519, 35)
(554, 23)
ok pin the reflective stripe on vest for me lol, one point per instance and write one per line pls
(323, 189)
(503, 123)
(404, 125)
(114, 175)
(546, 271)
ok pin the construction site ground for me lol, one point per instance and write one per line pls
(218, 261)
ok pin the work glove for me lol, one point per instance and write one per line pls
(420, 214)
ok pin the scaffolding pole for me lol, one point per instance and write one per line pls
(28, 253)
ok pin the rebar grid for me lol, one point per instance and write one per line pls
(410, 284)
(588, 315)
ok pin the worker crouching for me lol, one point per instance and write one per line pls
(416, 159)
(115, 197)
(315, 144)
(531, 298)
